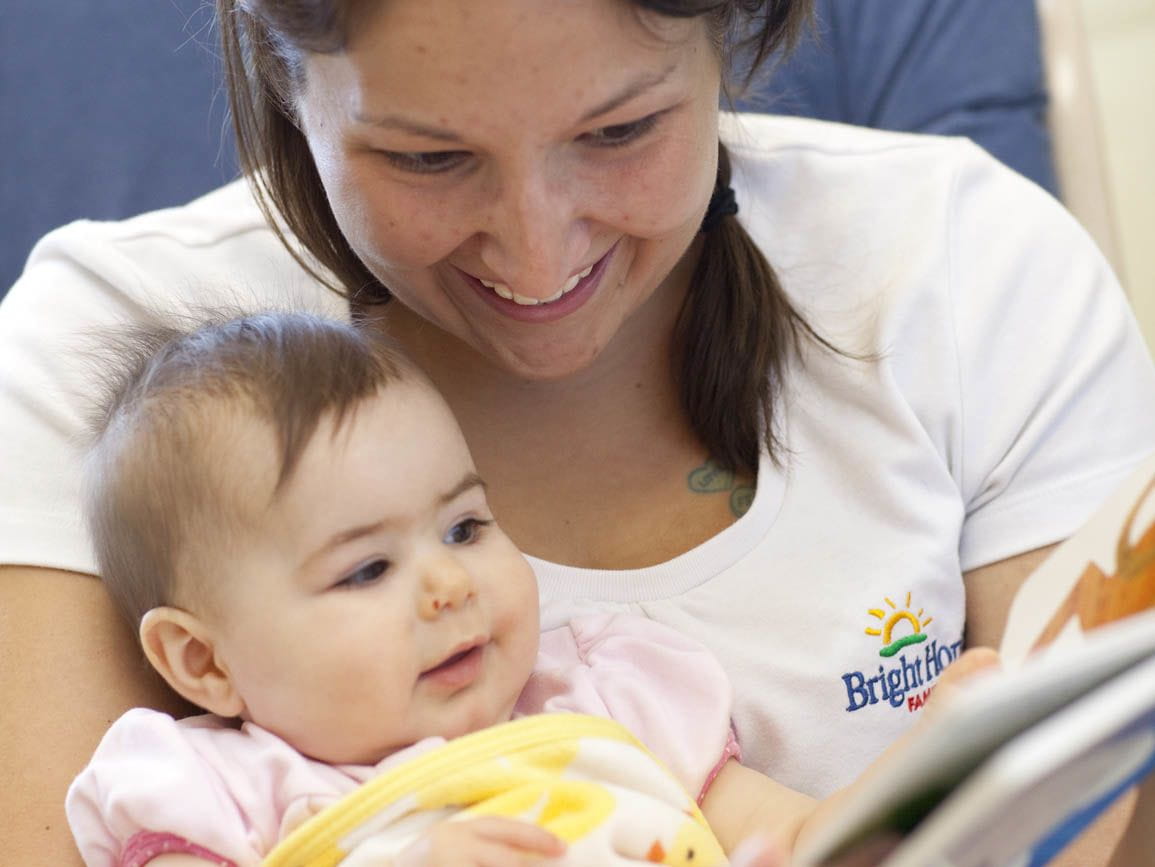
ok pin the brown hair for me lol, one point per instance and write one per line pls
(737, 329)
(154, 477)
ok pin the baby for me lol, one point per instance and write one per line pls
(334, 591)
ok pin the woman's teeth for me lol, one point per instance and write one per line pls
(509, 295)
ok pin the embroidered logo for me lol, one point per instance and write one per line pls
(891, 646)
(907, 681)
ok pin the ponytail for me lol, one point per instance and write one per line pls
(736, 333)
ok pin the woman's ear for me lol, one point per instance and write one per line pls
(180, 647)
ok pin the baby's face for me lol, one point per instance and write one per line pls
(374, 602)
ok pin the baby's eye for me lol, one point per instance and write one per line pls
(622, 133)
(368, 574)
(426, 162)
(464, 532)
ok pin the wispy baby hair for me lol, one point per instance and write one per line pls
(157, 497)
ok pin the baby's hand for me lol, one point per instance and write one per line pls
(490, 841)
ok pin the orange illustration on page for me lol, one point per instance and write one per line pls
(1098, 599)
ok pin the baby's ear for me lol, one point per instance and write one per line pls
(180, 647)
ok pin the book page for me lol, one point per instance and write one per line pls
(1104, 572)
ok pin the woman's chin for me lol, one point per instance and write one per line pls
(545, 364)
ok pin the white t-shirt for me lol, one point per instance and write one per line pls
(1012, 391)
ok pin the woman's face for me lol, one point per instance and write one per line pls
(523, 174)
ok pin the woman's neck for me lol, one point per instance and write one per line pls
(631, 383)
(631, 379)
(608, 439)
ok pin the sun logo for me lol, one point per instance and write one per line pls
(890, 645)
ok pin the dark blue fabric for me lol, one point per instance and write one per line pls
(107, 108)
(952, 67)
(113, 107)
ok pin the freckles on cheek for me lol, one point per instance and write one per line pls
(664, 202)
(659, 193)
(398, 243)
(396, 231)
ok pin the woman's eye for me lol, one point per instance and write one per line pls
(426, 162)
(464, 532)
(622, 133)
(368, 574)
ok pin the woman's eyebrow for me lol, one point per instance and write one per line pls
(630, 91)
(393, 121)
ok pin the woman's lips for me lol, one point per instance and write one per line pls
(563, 303)
(509, 295)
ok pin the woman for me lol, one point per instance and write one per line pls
(531, 197)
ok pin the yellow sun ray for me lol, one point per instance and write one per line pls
(887, 628)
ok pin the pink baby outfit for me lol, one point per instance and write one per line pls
(204, 787)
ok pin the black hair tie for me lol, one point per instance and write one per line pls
(722, 205)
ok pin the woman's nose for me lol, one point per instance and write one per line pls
(446, 584)
(535, 237)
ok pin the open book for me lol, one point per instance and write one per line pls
(1026, 757)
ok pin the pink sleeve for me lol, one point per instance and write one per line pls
(148, 782)
(730, 751)
(144, 846)
(667, 689)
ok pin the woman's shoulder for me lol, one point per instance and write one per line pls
(214, 219)
(211, 218)
(216, 250)
(794, 176)
(755, 134)
(849, 209)
(813, 169)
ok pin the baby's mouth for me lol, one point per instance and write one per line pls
(451, 661)
(462, 658)
(508, 294)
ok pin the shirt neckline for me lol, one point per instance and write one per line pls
(688, 570)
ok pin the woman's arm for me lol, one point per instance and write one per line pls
(69, 666)
(1138, 844)
(990, 591)
(742, 803)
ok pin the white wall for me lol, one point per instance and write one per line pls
(1121, 36)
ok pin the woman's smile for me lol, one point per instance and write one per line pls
(577, 290)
